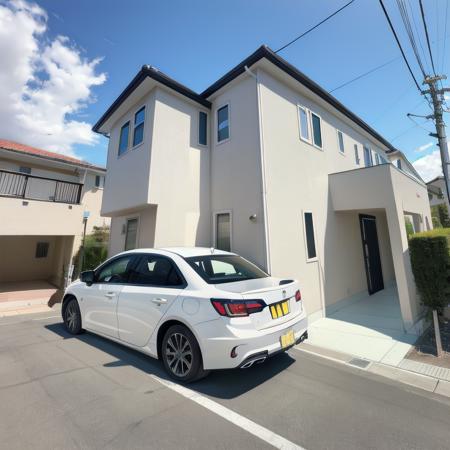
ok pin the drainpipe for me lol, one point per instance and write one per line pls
(263, 171)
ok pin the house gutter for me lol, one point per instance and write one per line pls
(263, 171)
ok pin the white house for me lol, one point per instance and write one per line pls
(43, 199)
(267, 164)
(437, 192)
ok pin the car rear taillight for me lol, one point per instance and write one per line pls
(298, 295)
(237, 308)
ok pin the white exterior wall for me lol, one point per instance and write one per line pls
(127, 183)
(179, 174)
(435, 200)
(169, 187)
(26, 222)
(236, 184)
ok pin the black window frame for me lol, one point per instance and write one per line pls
(42, 248)
(310, 245)
(227, 107)
(313, 130)
(202, 128)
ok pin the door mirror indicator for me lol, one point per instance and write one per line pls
(87, 277)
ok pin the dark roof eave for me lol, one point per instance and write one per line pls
(155, 74)
(270, 55)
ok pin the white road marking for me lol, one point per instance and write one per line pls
(248, 425)
(45, 318)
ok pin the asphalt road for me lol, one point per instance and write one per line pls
(64, 392)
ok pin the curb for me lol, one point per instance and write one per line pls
(408, 374)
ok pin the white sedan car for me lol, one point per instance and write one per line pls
(197, 309)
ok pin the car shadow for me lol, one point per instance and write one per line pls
(222, 384)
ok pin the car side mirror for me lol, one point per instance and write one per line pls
(88, 277)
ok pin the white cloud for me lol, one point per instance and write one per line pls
(44, 83)
(424, 147)
(429, 166)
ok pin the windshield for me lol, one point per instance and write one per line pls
(225, 268)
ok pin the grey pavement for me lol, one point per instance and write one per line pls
(83, 392)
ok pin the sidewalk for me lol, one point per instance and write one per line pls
(424, 376)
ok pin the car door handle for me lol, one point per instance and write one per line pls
(110, 294)
(159, 301)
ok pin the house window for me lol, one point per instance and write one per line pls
(356, 154)
(309, 236)
(223, 231)
(99, 181)
(123, 140)
(341, 141)
(399, 164)
(202, 128)
(131, 234)
(42, 249)
(304, 124)
(26, 170)
(138, 133)
(223, 124)
(377, 159)
(382, 159)
(316, 130)
(367, 157)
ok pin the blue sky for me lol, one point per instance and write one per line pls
(195, 42)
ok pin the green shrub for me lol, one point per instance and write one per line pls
(439, 216)
(95, 251)
(409, 227)
(430, 261)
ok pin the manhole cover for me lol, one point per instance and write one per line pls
(358, 362)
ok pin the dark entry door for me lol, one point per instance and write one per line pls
(371, 251)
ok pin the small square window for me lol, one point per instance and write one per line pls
(223, 124)
(42, 249)
(202, 128)
(341, 141)
(316, 130)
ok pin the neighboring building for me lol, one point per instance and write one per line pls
(267, 164)
(43, 197)
(437, 192)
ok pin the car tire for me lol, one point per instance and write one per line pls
(181, 355)
(72, 317)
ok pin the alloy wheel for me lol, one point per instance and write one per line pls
(179, 354)
(71, 316)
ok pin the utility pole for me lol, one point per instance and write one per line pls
(437, 96)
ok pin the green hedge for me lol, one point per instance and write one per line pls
(430, 261)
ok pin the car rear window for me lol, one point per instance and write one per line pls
(225, 268)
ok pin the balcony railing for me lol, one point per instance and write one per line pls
(20, 185)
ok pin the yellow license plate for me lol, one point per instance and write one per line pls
(287, 339)
(279, 309)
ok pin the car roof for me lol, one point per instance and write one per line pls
(185, 252)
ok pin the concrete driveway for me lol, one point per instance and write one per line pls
(59, 391)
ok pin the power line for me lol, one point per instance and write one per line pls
(364, 74)
(399, 45)
(315, 26)
(426, 35)
(409, 31)
(445, 35)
